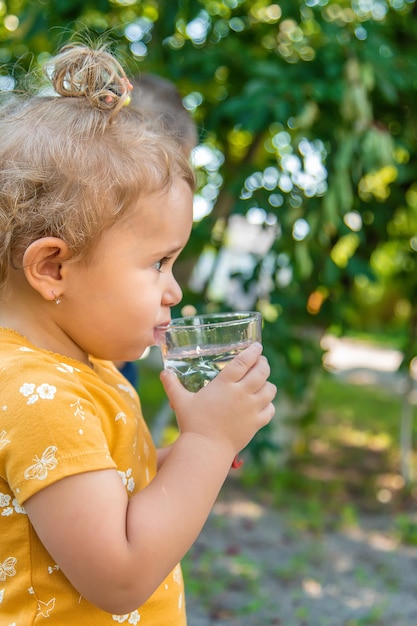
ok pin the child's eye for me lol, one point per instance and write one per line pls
(160, 264)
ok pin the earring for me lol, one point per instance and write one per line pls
(57, 299)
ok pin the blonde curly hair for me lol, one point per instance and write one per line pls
(73, 163)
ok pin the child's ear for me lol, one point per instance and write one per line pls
(42, 265)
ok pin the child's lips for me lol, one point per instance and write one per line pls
(164, 325)
(159, 330)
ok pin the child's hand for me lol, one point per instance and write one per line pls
(232, 407)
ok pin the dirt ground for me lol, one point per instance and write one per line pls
(253, 565)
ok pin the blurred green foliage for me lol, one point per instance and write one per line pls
(307, 116)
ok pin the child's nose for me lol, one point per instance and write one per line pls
(173, 294)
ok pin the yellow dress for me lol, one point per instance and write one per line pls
(59, 417)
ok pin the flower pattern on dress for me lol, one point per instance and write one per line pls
(46, 451)
(5, 505)
(41, 392)
(18, 507)
(130, 618)
(127, 479)
(4, 499)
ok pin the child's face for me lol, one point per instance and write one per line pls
(114, 301)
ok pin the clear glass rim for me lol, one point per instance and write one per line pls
(212, 319)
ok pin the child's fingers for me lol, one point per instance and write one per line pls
(267, 413)
(173, 388)
(255, 378)
(241, 364)
(267, 393)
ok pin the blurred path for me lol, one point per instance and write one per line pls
(365, 363)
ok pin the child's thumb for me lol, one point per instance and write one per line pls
(172, 386)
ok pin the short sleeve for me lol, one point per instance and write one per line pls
(54, 427)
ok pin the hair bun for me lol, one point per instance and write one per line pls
(82, 72)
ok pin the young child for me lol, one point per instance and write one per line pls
(95, 207)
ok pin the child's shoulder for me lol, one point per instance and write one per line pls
(14, 345)
(19, 358)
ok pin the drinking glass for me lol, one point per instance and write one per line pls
(197, 347)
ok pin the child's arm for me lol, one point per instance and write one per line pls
(116, 551)
(162, 455)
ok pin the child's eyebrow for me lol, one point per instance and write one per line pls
(170, 252)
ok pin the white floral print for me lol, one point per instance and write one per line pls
(53, 399)
(18, 507)
(130, 618)
(42, 392)
(4, 499)
(127, 479)
(5, 505)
